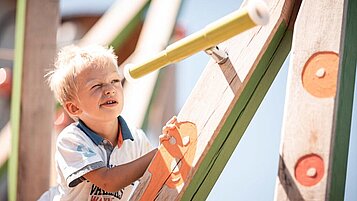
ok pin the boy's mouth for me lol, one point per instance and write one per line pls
(110, 102)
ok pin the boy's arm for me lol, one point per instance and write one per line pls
(116, 178)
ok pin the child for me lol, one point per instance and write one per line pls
(99, 156)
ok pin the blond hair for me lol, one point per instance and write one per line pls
(70, 62)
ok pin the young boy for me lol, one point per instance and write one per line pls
(99, 156)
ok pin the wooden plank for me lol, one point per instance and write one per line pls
(344, 98)
(116, 24)
(138, 94)
(31, 109)
(312, 107)
(219, 98)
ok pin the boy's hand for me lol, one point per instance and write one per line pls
(165, 130)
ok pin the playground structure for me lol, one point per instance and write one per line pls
(318, 119)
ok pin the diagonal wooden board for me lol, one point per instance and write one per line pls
(224, 100)
(318, 106)
(116, 24)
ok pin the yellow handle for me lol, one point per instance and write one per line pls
(213, 34)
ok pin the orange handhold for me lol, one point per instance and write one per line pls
(173, 160)
(319, 76)
(309, 170)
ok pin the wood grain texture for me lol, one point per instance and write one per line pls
(32, 101)
(310, 104)
(221, 96)
(138, 93)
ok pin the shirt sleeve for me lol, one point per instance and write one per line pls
(76, 156)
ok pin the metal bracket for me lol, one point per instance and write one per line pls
(218, 55)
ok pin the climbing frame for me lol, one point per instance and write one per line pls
(218, 111)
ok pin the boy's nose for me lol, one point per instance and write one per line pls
(109, 90)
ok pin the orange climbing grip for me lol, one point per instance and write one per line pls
(173, 161)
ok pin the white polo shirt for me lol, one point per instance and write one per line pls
(79, 150)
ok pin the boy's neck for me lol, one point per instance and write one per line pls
(107, 130)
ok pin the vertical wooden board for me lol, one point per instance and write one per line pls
(15, 98)
(216, 93)
(344, 102)
(307, 133)
(32, 102)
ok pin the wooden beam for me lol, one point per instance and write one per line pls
(344, 102)
(32, 107)
(116, 24)
(138, 94)
(316, 125)
(219, 109)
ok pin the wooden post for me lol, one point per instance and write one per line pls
(316, 125)
(32, 109)
(218, 111)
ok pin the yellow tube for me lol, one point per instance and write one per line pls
(213, 34)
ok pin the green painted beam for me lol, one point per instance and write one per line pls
(16, 97)
(344, 100)
(125, 33)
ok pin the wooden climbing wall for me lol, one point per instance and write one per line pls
(317, 119)
(218, 111)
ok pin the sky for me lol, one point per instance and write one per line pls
(250, 174)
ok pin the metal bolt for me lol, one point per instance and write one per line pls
(311, 172)
(186, 140)
(172, 140)
(320, 73)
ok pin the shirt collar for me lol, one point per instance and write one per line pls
(97, 139)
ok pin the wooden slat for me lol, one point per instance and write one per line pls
(155, 35)
(116, 24)
(31, 108)
(223, 95)
(316, 122)
(344, 99)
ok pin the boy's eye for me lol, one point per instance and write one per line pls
(115, 81)
(96, 86)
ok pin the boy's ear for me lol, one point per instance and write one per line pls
(72, 108)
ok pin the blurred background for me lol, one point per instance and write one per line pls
(251, 171)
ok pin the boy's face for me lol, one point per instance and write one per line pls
(100, 94)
